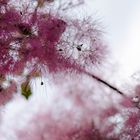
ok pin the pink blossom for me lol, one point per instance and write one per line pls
(64, 48)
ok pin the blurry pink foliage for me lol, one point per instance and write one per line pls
(38, 40)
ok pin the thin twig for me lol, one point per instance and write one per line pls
(106, 83)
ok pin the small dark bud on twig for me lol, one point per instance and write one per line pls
(42, 83)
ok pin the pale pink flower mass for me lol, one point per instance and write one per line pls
(38, 41)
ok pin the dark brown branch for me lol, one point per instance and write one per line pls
(106, 84)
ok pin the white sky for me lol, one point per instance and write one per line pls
(121, 19)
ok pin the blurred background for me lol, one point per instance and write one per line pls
(121, 19)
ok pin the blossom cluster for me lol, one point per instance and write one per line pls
(34, 39)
